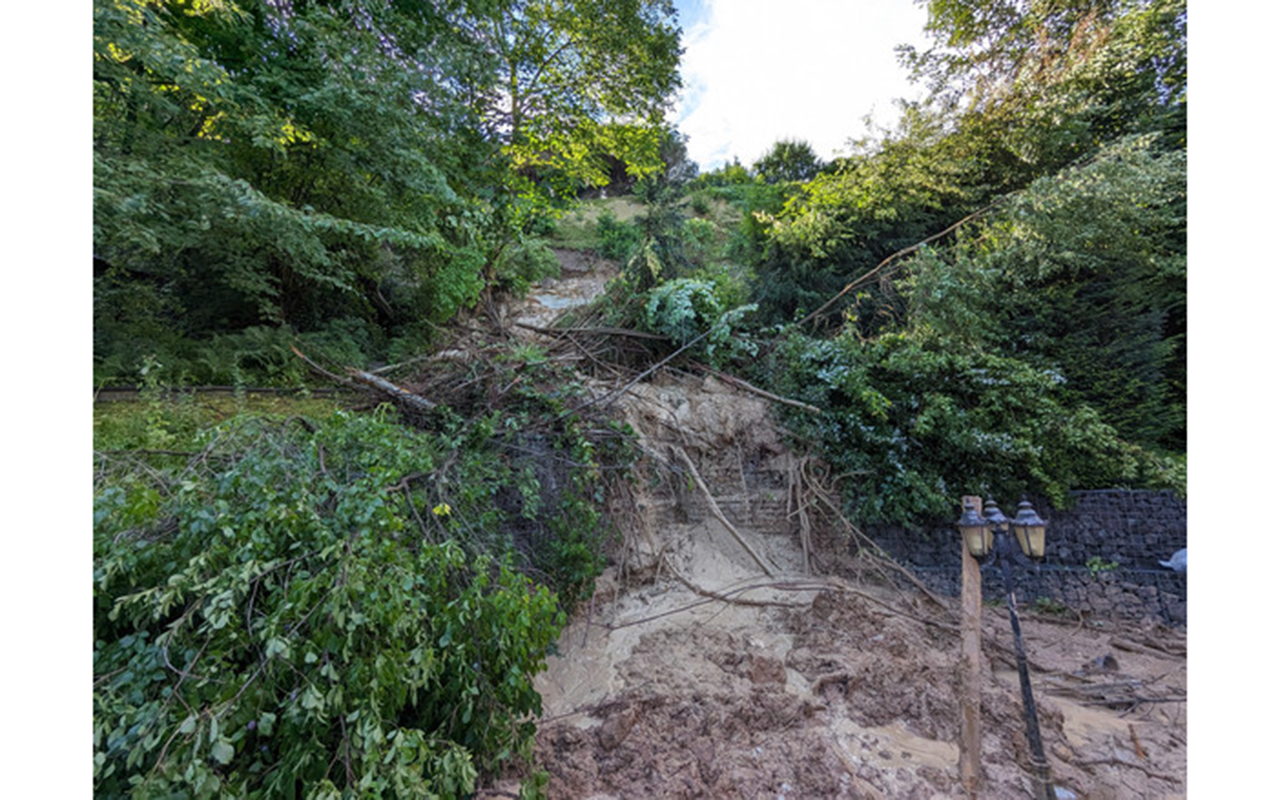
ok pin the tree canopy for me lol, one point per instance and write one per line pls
(1022, 229)
(376, 162)
(788, 160)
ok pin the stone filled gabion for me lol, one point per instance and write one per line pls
(1104, 556)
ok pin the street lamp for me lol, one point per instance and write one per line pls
(1029, 529)
(988, 537)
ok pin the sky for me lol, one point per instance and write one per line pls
(757, 71)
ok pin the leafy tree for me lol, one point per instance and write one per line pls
(1091, 265)
(661, 252)
(289, 163)
(1046, 83)
(275, 164)
(1083, 106)
(1022, 231)
(788, 160)
(913, 420)
(891, 194)
(983, 50)
(1042, 346)
(731, 174)
(579, 82)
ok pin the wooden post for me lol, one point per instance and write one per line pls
(970, 665)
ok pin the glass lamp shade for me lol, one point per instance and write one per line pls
(976, 533)
(1029, 529)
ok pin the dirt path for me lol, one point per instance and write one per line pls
(813, 682)
(583, 276)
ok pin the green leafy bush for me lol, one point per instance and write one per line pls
(272, 619)
(618, 239)
(685, 309)
(258, 355)
(916, 421)
(702, 240)
(523, 265)
(788, 160)
(1096, 564)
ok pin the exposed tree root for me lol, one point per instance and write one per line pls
(718, 514)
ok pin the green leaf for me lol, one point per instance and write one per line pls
(223, 752)
(277, 646)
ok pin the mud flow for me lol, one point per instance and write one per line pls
(745, 643)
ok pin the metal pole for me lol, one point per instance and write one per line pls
(1041, 784)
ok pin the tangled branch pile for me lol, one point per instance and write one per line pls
(347, 604)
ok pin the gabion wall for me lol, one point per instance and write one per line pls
(1101, 558)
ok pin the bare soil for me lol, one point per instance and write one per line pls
(756, 652)
(583, 276)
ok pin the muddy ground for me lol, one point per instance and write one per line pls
(741, 646)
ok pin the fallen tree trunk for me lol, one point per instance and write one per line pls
(397, 394)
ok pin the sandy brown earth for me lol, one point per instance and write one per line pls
(741, 647)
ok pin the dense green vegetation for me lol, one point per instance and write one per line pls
(255, 621)
(337, 603)
(344, 604)
(990, 296)
(348, 171)
(987, 298)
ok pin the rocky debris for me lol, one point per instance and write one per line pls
(667, 692)
(792, 686)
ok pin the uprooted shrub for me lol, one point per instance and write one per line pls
(286, 612)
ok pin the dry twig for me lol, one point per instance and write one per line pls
(874, 271)
(1149, 647)
(698, 590)
(741, 384)
(1116, 762)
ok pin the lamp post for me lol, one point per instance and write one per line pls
(988, 537)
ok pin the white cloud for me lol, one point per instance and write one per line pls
(756, 71)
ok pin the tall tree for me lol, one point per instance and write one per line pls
(1050, 81)
(578, 80)
(788, 160)
(257, 157)
(288, 162)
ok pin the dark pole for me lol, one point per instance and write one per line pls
(989, 536)
(1042, 786)
(970, 659)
